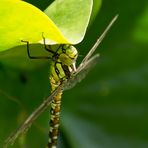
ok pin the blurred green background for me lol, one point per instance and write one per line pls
(109, 109)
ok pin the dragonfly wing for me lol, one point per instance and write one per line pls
(88, 62)
(81, 72)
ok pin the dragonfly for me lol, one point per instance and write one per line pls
(64, 75)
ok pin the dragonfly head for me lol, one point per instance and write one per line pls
(68, 55)
(64, 65)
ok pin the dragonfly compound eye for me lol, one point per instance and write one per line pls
(69, 56)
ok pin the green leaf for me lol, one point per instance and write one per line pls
(71, 17)
(23, 21)
(109, 109)
(96, 7)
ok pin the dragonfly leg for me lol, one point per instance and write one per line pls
(47, 47)
(33, 57)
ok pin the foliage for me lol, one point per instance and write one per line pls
(109, 108)
(34, 22)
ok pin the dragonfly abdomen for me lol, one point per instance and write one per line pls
(54, 120)
(61, 69)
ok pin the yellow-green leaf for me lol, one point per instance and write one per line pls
(71, 17)
(22, 21)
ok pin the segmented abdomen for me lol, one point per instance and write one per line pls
(54, 120)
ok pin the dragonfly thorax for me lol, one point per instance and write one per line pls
(63, 63)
